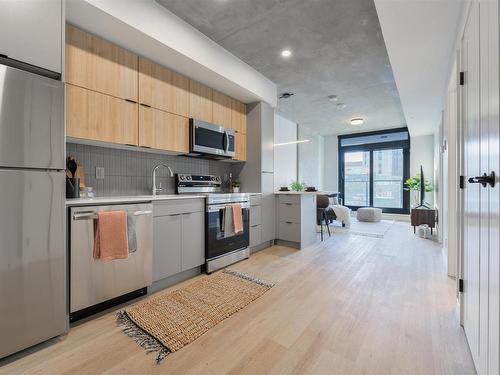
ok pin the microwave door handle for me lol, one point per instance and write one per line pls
(226, 138)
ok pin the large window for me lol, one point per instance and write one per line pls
(357, 178)
(373, 169)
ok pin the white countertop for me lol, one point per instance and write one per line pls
(298, 192)
(127, 199)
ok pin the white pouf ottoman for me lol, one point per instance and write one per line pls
(369, 214)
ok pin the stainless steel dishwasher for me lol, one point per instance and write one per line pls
(96, 285)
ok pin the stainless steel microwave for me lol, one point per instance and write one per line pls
(210, 139)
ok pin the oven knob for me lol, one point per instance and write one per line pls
(217, 178)
(181, 177)
(188, 177)
(212, 178)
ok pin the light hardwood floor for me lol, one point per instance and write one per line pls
(350, 305)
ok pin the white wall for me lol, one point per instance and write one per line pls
(422, 153)
(285, 156)
(149, 29)
(310, 158)
(330, 163)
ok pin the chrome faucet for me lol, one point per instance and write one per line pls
(159, 189)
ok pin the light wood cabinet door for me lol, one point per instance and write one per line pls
(238, 116)
(96, 64)
(200, 101)
(222, 112)
(162, 130)
(95, 116)
(241, 147)
(163, 88)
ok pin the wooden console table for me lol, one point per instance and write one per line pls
(423, 216)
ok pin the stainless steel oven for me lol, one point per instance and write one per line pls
(210, 139)
(224, 247)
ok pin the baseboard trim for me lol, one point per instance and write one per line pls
(174, 279)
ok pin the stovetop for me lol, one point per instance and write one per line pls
(208, 185)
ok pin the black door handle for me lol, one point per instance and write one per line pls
(484, 180)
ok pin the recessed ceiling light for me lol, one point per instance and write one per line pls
(357, 121)
(341, 105)
(286, 53)
(333, 98)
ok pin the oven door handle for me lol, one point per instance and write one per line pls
(223, 206)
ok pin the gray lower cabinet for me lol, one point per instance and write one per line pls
(193, 240)
(268, 208)
(296, 219)
(167, 246)
(255, 235)
(179, 237)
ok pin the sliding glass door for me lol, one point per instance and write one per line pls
(357, 178)
(373, 168)
(388, 173)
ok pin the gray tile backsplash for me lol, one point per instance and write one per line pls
(129, 172)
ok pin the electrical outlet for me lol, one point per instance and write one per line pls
(99, 173)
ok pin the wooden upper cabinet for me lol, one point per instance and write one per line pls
(162, 130)
(95, 116)
(238, 116)
(96, 64)
(163, 88)
(222, 112)
(200, 101)
(241, 147)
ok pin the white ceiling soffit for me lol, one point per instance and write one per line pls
(420, 37)
(150, 30)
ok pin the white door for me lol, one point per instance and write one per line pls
(480, 104)
(470, 66)
(490, 159)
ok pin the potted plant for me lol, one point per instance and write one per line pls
(297, 186)
(413, 186)
(235, 186)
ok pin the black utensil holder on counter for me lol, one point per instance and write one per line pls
(72, 188)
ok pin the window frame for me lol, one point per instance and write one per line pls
(371, 147)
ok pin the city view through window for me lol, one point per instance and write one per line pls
(387, 178)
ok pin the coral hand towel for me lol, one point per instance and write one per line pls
(111, 237)
(237, 218)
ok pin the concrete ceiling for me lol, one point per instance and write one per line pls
(337, 49)
(421, 38)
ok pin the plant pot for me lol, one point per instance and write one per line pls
(236, 189)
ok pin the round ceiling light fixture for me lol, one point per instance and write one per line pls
(333, 98)
(286, 53)
(341, 105)
(357, 121)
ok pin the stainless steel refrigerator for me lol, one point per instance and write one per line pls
(33, 305)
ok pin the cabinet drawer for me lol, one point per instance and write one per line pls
(288, 198)
(289, 212)
(181, 206)
(255, 215)
(255, 200)
(255, 235)
(289, 231)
